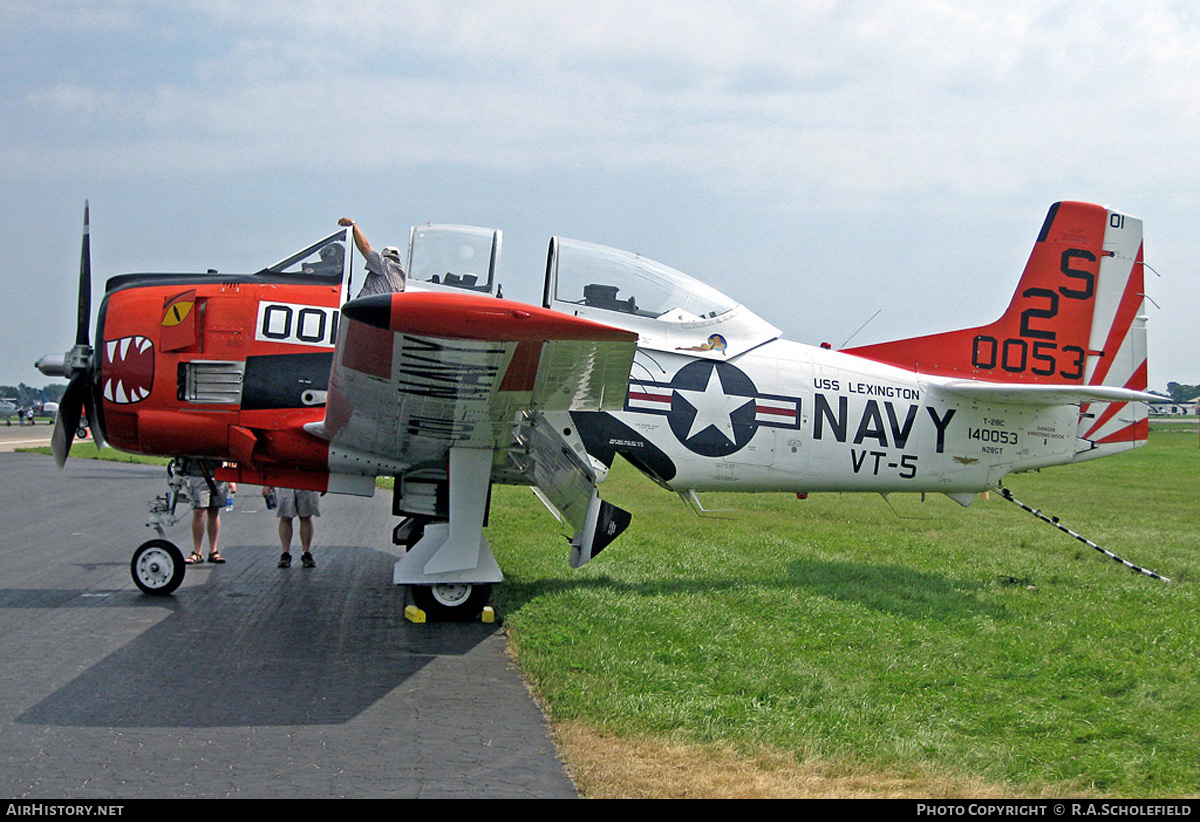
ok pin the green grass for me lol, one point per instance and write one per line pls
(88, 451)
(978, 642)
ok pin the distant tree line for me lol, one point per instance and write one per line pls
(26, 395)
(1179, 392)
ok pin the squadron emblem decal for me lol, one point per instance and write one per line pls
(713, 408)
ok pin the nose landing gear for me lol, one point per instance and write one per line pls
(157, 566)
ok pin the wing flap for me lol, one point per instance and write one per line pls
(555, 460)
(583, 375)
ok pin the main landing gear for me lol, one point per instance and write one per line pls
(441, 601)
(451, 601)
(448, 565)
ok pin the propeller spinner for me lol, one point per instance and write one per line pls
(77, 365)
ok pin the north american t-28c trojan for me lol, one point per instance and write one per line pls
(449, 388)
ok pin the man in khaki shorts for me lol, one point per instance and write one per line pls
(296, 503)
(208, 498)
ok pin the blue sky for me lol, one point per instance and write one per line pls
(818, 161)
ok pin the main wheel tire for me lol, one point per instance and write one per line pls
(452, 602)
(157, 567)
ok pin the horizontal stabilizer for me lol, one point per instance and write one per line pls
(1042, 394)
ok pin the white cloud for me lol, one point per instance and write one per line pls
(881, 99)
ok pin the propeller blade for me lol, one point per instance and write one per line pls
(83, 326)
(66, 422)
(93, 417)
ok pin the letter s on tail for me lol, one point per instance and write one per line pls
(1076, 319)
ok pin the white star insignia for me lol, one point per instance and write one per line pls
(713, 407)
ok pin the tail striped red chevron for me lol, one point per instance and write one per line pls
(1075, 319)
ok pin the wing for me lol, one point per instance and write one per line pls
(418, 375)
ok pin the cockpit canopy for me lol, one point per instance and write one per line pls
(668, 309)
(453, 257)
(594, 275)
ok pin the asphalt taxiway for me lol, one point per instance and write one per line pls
(15, 436)
(248, 681)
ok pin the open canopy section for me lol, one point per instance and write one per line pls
(453, 257)
(327, 259)
(668, 309)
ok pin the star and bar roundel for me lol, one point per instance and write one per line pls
(713, 408)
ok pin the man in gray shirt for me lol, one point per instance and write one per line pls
(384, 272)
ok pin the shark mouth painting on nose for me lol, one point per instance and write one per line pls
(127, 369)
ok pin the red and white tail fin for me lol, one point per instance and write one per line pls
(1076, 319)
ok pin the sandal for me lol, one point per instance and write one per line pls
(195, 558)
(216, 558)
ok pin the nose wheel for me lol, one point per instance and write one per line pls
(157, 567)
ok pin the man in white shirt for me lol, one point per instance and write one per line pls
(384, 272)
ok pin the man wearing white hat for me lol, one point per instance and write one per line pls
(384, 272)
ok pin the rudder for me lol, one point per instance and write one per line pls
(1117, 345)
